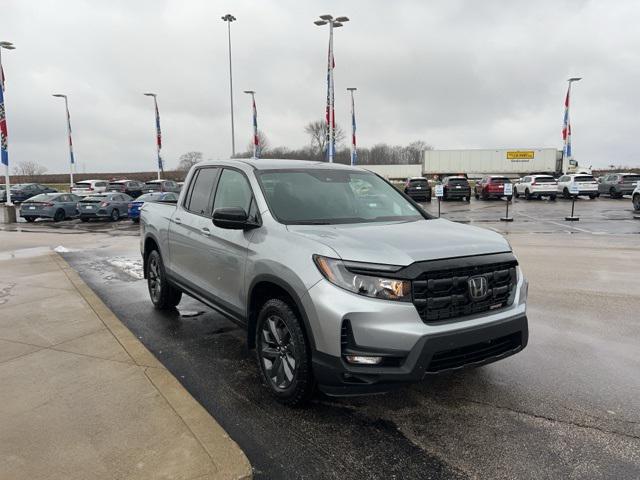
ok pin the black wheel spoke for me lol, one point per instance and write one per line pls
(277, 352)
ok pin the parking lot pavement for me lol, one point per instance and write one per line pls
(81, 397)
(568, 406)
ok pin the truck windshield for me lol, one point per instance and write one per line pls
(325, 197)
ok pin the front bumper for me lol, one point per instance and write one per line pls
(445, 352)
(395, 329)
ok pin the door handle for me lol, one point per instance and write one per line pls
(205, 231)
(177, 220)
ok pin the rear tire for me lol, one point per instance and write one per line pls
(115, 215)
(84, 220)
(552, 198)
(565, 193)
(592, 196)
(59, 215)
(515, 193)
(30, 219)
(636, 202)
(283, 354)
(135, 220)
(164, 296)
(527, 194)
(477, 196)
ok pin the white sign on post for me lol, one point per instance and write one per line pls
(439, 191)
(508, 189)
(573, 188)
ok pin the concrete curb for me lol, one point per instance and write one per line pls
(226, 455)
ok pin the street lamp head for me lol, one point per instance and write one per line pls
(9, 47)
(352, 89)
(326, 17)
(228, 18)
(250, 91)
(59, 95)
(150, 94)
(336, 24)
(342, 19)
(6, 44)
(320, 22)
(574, 79)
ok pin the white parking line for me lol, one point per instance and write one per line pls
(584, 230)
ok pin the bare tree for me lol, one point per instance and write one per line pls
(29, 169)
(318, 132)
(188, 160)
(263, 144)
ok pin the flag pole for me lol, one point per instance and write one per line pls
(354, 153)
(4, 140)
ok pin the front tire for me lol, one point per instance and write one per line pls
(283, 354)
(164, 296)
(115, 215)
(636, 202)
(515, 193)
(527, 194)
(552, 198)
(565, 193)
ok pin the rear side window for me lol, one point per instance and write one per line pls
(233, 191)
(200, 195)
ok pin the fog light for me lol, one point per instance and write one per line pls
(362, 360)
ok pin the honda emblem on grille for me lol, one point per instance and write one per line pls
(478, 287)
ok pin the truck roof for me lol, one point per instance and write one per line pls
(275, 164)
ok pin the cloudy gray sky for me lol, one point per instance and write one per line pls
(457, 74)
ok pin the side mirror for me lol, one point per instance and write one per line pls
(233, 218)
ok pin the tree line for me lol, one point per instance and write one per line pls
(379, 154)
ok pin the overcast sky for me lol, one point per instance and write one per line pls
(456, 74)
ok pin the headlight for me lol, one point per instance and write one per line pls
(339, 273)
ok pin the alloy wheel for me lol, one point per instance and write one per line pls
(277, 352)
(154, 279)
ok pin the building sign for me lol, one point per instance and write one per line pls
(520, 155)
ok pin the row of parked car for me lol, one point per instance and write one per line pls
(108, 206)
(616, 185)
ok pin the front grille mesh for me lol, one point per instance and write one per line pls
(444, 294)
(478, 352)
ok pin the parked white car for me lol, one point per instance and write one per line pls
(539, 186)
(587, 185)
(635, 198)
(89, 187)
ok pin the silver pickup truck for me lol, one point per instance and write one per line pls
(342, 282)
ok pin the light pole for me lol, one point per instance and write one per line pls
(354, 152)
(158, 133)
(4, 137)
(256, 143)
(566, 127)
(230, 18)
(330, 110)
(71, 158)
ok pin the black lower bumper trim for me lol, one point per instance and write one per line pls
(432, 354)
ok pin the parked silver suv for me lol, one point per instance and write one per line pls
(341, 280)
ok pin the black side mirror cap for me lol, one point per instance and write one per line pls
(232, 218)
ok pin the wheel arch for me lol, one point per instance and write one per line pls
(265, 287)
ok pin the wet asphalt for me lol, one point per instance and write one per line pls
(566, 407)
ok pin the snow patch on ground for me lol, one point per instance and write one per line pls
(61, 249)
(131, 267)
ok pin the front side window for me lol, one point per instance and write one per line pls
(313, 197)
(233, 191)
(199, 200)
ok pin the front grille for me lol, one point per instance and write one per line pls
(478, 352)
(444, 294)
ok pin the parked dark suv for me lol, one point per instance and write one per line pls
(161, 186)
(133, 188)
(418, 188)
(456, 188)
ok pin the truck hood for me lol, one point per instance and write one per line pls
(404, 243)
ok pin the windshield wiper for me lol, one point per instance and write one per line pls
(311, 222)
